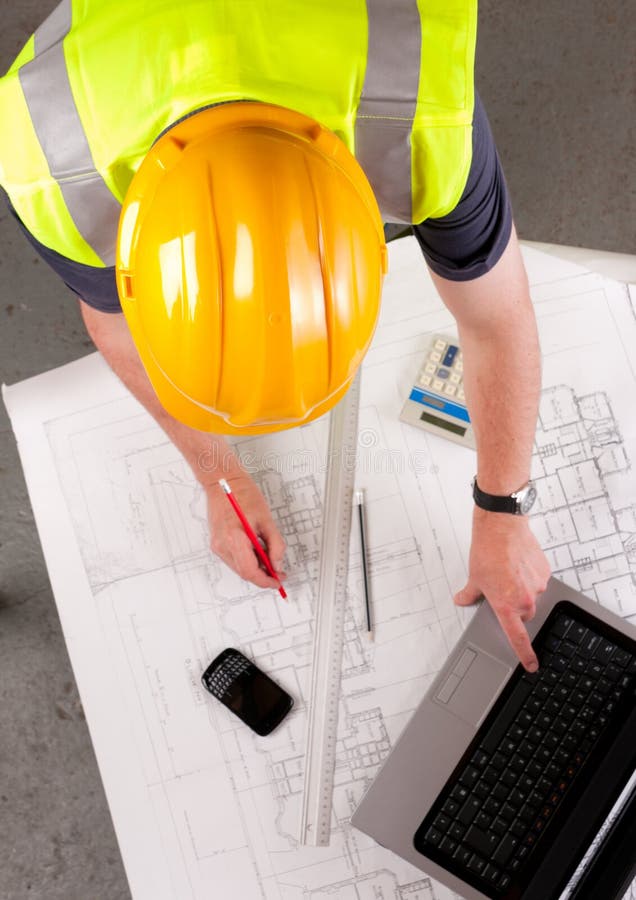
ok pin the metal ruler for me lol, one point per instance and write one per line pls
(322, 719)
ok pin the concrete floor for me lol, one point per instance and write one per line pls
(559, 82)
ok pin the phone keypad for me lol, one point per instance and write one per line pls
(218, 681)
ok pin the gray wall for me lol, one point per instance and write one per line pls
(558, 80)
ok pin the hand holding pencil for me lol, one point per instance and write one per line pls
(229, 538)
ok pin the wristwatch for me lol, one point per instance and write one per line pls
(519, 503)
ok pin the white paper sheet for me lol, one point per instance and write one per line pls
(203, 808)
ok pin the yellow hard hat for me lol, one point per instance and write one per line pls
(250, 260)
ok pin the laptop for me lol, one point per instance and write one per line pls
(502, 780)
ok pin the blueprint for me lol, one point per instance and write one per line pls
(202, 807)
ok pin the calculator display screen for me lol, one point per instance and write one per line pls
(442, 423)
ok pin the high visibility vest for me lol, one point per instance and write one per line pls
(101, 79)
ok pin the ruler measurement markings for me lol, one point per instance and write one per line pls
(329, 622)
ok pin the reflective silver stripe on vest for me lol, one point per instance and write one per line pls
(387, 106)
(47, 91)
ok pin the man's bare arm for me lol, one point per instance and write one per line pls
(502, 378)
(208, 455)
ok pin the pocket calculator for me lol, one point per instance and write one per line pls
(437, 402)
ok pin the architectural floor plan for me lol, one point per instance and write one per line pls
(202, 807)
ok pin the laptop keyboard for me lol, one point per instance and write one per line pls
(488, 820)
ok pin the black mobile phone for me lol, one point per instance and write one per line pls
(247, 691)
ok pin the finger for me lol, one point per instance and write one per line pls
(545, 574)
(468, 595)
(516, 633)
(274, 544)
(538, 576)
(246, 563)
(526, 607)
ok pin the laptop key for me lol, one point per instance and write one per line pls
(508, 812)
(480, 759)
(459, 793)
(491, 874)
(448, 846)
(622, 658)
(481, 790)
(463, 855)
(469, 810)
(483, 821)
(450, 807)
(480, 841)
(477, 864)
(612, 672)
(577, 633)
(469, 776)
(517, 798)
(492, 806)
(433, 836)
(588, 646)
(562, 626)
(595, 669)
(441, 822)
(567, 649)
(456, 831)
(505, 849)
(500, 791)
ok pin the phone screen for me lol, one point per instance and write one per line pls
(247, 691)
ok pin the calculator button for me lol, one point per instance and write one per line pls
(439, 345)
(455, 378)
(443, 373)
(450, 389)
(438, 384)
(459, 366)
(460, 394)
(451, 353)
(430, 368)
(435, 356)
(424, 380)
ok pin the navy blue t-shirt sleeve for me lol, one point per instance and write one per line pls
(95, 285)
(468, 241)
(460, 246)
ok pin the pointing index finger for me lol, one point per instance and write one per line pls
(516, 633)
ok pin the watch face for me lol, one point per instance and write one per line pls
(526, 501)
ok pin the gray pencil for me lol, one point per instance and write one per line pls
(363, 544)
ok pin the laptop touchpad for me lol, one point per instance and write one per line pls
(473, 684)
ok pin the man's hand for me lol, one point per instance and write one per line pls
(509, 568)
(228, 538)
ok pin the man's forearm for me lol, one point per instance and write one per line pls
(502, 368)
(498, 335)
(208, 455)
(502, 383)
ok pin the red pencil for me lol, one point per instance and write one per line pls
(252, 536)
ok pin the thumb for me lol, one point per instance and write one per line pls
(468, 595)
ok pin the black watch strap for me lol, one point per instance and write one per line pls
(494, 502)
